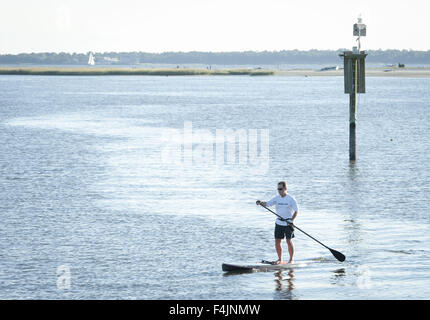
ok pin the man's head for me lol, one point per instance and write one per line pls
(282, 187)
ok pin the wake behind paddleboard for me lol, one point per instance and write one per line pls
(262, 266)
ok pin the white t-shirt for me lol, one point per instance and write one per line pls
(285, 207)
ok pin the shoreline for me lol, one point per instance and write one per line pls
(370, 72)
(423, 72)
(94, 71)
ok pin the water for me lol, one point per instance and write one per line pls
(83, 186)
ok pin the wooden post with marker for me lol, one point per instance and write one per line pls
(354, 81)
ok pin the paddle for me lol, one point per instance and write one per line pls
(338, 255)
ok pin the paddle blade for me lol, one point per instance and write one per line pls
(339, 256)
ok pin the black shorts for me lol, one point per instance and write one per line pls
(283, 231)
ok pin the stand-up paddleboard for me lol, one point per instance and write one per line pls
(262, 266)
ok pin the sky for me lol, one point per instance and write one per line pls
(201, 25)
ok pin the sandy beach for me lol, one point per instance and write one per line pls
(370, 72)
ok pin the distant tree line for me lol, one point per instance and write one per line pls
(226, 58)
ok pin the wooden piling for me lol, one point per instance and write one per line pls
(354, 77)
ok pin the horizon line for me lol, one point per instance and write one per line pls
(197, 51)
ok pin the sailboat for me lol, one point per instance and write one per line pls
(91, 60)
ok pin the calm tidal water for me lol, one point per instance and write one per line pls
(82, 185)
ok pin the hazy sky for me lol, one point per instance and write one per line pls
(202, 25)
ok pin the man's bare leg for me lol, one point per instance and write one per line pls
(290, 249)
(278, 247)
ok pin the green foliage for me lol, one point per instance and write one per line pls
(219, 58)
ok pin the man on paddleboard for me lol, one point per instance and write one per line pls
(286, 207)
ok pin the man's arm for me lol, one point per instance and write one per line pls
(295, 208)
(294, 215)
(291, 221)
(268, 203)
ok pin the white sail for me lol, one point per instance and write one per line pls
(91, 60)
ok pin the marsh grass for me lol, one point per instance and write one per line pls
(59, 71)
